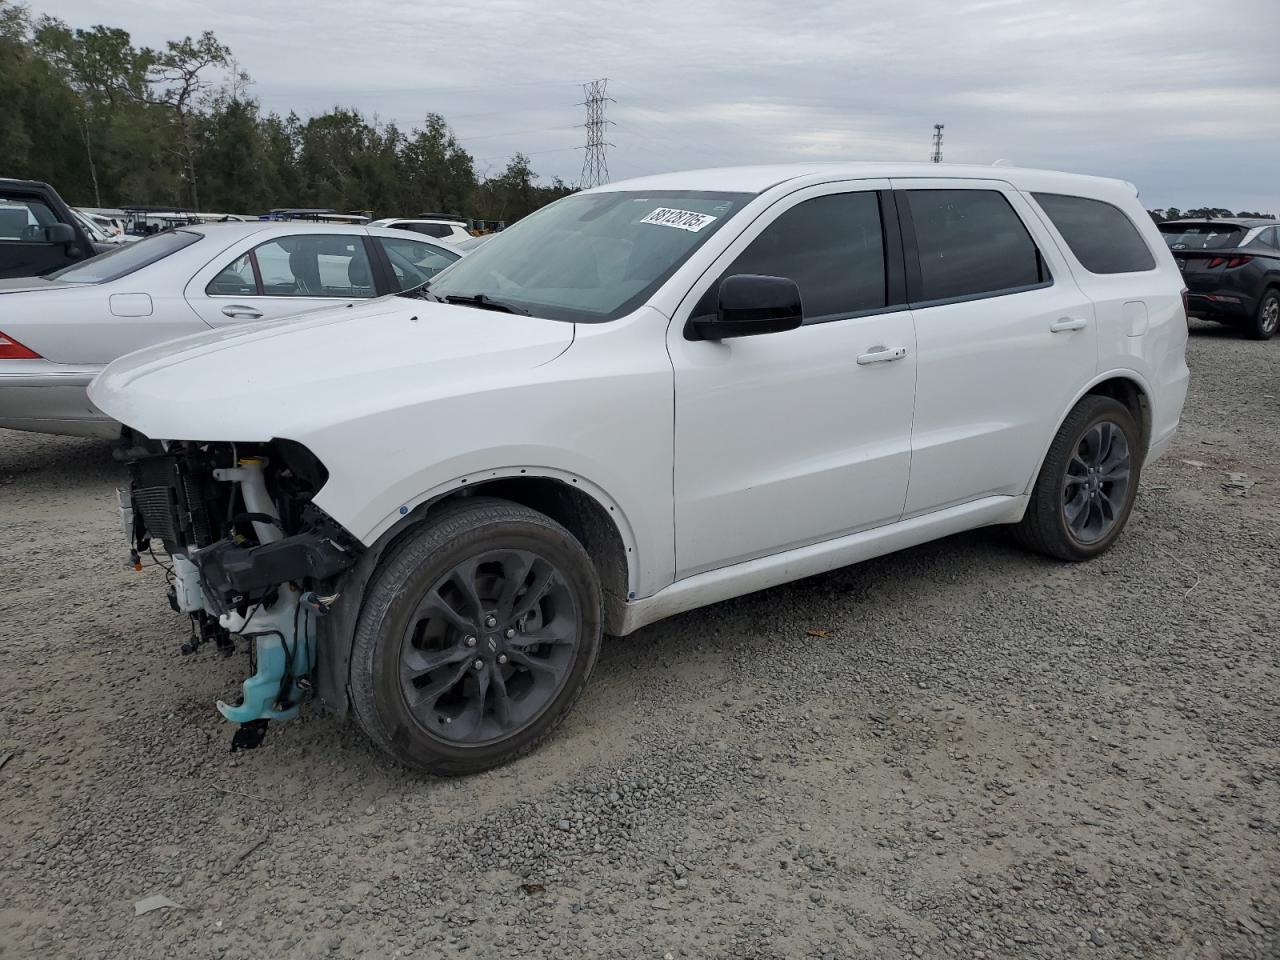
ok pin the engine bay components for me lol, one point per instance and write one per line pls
(250, 558)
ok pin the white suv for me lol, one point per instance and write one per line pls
(642, 399)
(446, 231)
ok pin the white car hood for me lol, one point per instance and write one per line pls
(298, 375)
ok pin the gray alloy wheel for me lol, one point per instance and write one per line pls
(478, 633)
(1267, 320)
(1084, 493)
(489, 646)
(1096, 485)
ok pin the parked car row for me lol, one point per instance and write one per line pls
(425, 510)
(58, 331)
(39, 233)
(1232, 270)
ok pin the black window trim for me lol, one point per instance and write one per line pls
(1155, 263)
(891, 243)
(384, 277)
(911, 251)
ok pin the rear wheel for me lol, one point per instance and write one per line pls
(477, 636)
(1266, 320)
(1086, 488)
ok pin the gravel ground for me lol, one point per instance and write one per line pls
(958, 751)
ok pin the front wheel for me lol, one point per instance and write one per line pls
(1086, 488)
(1267, 318)
(476, 637)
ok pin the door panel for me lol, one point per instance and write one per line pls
(786, 439)
(995, 372)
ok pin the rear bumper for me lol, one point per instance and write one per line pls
(1226, 303)
(46, 397)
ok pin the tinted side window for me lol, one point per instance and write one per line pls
(1103, 239)
(971, 243)
(832, 247)
(432, 229)
(1268, 239)
(314, 265)
(236, 279)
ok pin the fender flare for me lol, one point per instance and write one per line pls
(336, 632)
(1117, 373)
(419, 504)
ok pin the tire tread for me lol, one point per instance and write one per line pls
(1040, 529)
(453, 522)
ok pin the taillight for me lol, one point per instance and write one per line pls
(11, 349)
(1230, 262)
(1186, 305)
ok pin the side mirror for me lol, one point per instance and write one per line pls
(59, 233)
(749, 304)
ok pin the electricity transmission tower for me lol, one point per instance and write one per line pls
(937, 143)
(595, 165)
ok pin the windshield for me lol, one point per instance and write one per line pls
(589, 257)
(126, 258)
(1201, 236)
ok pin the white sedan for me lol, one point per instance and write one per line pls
(57, 332)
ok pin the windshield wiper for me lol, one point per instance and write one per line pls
(420, 292)
(484, 302)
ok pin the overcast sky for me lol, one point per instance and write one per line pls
(1182, 97)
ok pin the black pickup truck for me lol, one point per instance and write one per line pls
(38, 232)
(1232, 271)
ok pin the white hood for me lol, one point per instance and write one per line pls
(289, 377)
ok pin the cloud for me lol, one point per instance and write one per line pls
(1181, 99)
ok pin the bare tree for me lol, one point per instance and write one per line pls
(178, 80)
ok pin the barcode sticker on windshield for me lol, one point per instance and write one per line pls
(680, 219)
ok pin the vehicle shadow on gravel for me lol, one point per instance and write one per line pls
(72, 463)
(1217, 331)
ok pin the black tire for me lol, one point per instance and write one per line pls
(1266, 319)
(462, 532)
(1046, 527)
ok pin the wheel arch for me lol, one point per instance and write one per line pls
(1126, 386)
(576, 503)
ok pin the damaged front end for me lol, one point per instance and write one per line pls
(251, 558)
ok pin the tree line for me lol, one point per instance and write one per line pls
(112, 124)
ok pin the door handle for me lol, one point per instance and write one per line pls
(880, 354)
(239, 311)
(1068, 323)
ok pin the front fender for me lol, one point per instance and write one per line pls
(336, 631)
(416, 505)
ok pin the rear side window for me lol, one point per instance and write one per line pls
(971, 244)
(314, 265)
(1103, 239)
(1268, 239)
(832, 247)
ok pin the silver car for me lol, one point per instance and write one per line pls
(58, 331)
